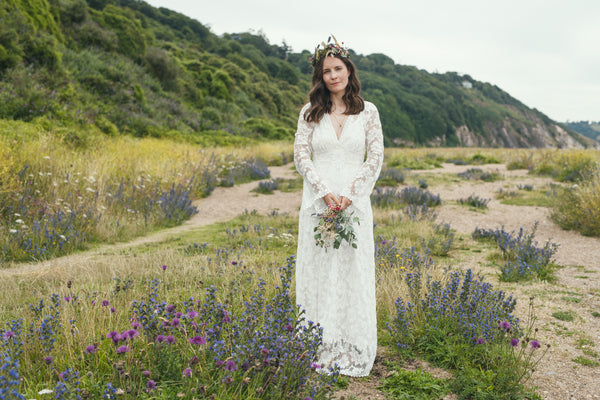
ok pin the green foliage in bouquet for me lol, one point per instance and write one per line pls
(334, 227)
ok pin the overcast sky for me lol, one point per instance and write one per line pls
(545, 53)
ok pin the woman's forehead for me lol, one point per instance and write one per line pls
(330, 62)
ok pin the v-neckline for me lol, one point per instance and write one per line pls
(333, 127)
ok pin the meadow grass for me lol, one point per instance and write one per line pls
(69, 327)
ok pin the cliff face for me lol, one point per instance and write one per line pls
(527, 133)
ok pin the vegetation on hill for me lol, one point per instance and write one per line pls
(126, 67)
(588, 129)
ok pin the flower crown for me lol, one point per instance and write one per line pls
(330, 49)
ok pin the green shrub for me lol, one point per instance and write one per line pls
(578, 207)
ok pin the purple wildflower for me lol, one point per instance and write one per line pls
(218, 363)
(192, 314)
(146, 373)
(175, 322)
(514, 342)
(135, 324)
(187, 372)
(48, 360)
(91, 349)
(230, 366)
(289, 327)
(151, 384)
(160, 339)
(199, 340)
(505, 325)
(9, 335)
(480, 341)
(227, 380)
(122, 349)
(170, 308)
(115, 336)
(315, 365)
(170, 339)
(112, 310)
(67, 298)
(164, 267)
(534, 344)
(105, 303)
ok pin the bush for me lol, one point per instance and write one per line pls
(412, 195)
(213, 344)
(474, 201)
(578, 207)
(390, 177)
(477, 173)
(523, 259)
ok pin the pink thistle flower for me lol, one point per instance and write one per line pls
(514, 342)
(187, 372)
(122, 349)
(198, 340)
(535, 344)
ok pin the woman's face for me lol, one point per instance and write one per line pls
(335, 75)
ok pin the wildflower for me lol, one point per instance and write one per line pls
(315, 365)
(135, 324)
(227, 380)
(480, 341)
(67, 298)
(45, 391)
(175, 322)
(218, 363)
(146, 373)
(115, 336)
(91, 349)
(514, 342)
(534, 344)
(170, 308)
(192, 314)
(505, 325)
(160, 339)
(151, 384)
(230, 366)
(122, 349)
(9, 335)
(105, 303)
(187, 372)
(164, 267)
(199, 340)
(226, 318)
(170, 339)
(289, 327)
(112, 310)
(14, 231)
(264, 352)
(48, 360)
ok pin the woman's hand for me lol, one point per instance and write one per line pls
(330, 198)
(345, 202)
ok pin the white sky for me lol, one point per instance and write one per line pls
(545, 53)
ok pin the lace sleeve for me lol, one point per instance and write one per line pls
(303, 161)
(362, 185)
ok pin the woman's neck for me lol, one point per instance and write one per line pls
(337, 104)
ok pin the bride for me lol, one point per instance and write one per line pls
(338, 150)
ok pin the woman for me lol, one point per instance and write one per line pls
(336, 287)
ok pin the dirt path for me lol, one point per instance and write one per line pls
(577, 290)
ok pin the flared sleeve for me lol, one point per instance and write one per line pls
(303, 160)
(360, 188)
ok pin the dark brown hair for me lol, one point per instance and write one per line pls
(320, 102)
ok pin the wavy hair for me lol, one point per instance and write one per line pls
(320, 102)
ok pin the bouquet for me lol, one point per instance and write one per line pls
(334, 227)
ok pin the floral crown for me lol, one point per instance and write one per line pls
(330, 49)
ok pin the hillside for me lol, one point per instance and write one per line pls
(588, 129)
(125, 67)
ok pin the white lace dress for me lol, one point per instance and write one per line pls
(336, 288)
